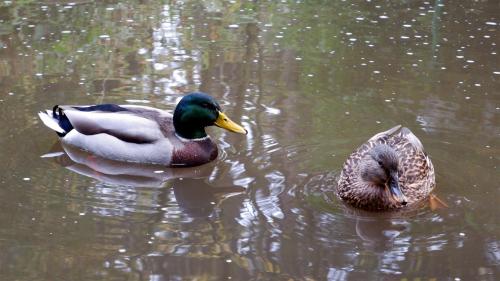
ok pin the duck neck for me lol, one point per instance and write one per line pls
(373, 197)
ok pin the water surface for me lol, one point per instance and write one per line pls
(310, 81)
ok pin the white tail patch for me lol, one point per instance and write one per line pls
(52, 154)
(50, 122)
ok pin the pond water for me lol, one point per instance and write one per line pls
(310, 81)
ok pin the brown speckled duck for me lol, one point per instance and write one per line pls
(143, 134)
(388, 172)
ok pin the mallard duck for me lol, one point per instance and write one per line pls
(143, 134)
(390, 171)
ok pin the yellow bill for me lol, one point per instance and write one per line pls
(224, 122)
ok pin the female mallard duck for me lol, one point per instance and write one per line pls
(388, 172)
(143, 134)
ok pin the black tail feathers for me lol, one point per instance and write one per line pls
(62, 119)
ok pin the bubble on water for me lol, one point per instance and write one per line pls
(490, 23)
(26, 179)
(66, 31)
(496, 72)
(122, 250)
(383, 17)
(404, 37)
(406, 25)
(104, 36)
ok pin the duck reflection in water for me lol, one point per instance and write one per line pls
(194, 195)
(380, 234)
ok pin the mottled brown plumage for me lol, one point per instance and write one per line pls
(363, 184)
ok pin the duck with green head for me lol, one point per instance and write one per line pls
(390, 171)
(143, 134)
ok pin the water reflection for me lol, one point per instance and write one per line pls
(121, 173)
(193, 195)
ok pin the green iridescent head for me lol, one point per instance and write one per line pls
(198, 110)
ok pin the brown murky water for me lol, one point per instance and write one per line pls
(309, 80)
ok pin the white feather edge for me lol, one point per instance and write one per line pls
(385, 133)
(50, 122)
(52, 154)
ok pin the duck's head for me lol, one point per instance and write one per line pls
(198, 110)
(380, 168)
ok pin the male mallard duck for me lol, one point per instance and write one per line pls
(143, 134)
(389, 171)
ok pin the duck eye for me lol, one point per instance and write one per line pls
(205, 105)
(379, 162)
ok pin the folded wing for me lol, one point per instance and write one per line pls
(123, 124)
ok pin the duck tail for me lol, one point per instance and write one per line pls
(56, 120)
(387, 133)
